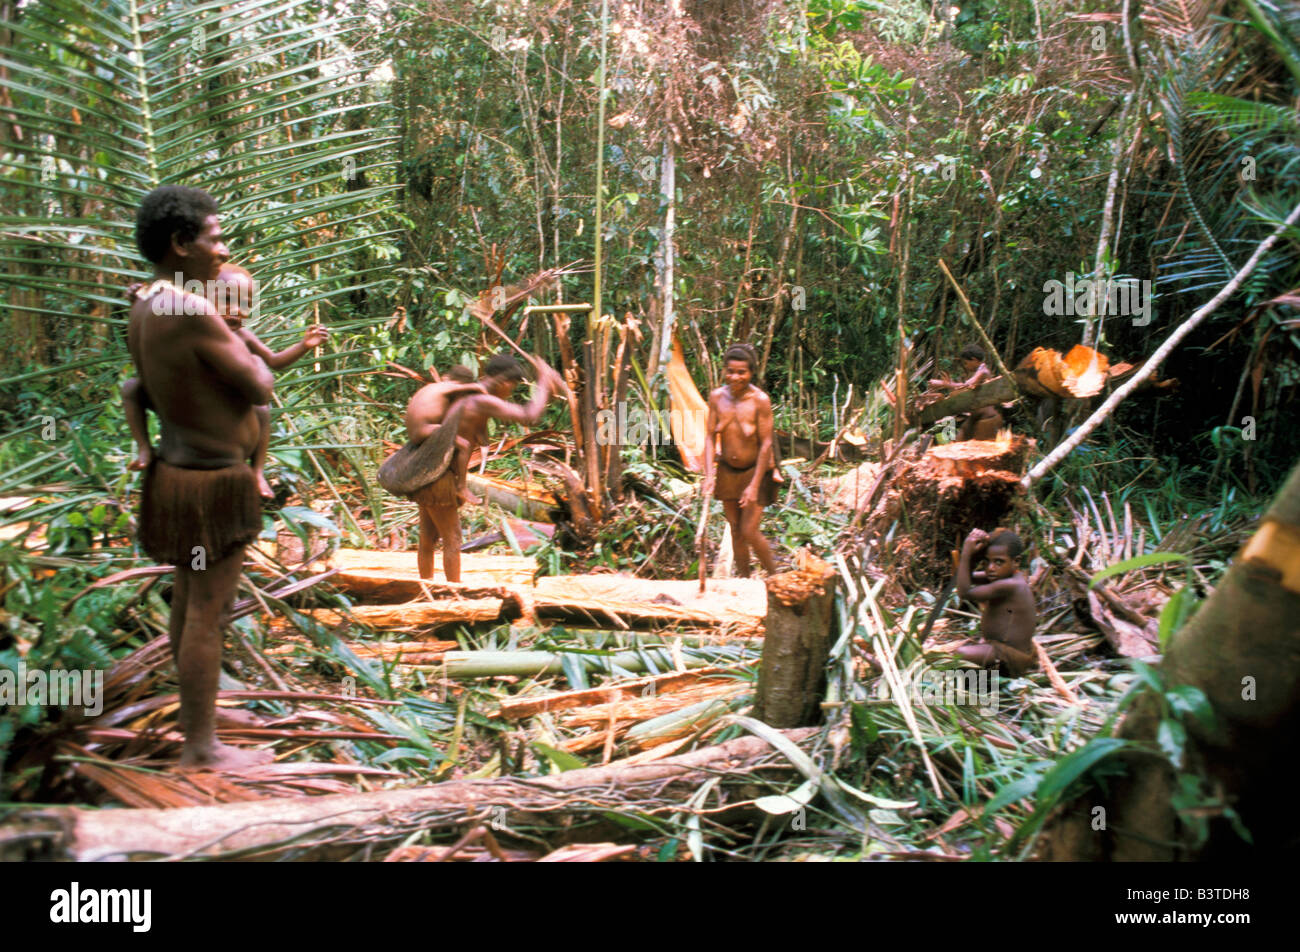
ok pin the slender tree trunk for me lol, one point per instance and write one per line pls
(668, 193)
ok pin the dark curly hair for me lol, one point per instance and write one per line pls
(505, 367)
(1008, 540)
(171, 210)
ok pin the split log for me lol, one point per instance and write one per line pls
(316, 826)
(625, 602)
(796, 644)
(517, 708)
(375, 575)
(736, 606)
(529, 501)
(506, 606)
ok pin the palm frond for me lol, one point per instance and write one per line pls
(267, 106)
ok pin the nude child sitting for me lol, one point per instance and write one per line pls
(740, 419)
(1008, 611)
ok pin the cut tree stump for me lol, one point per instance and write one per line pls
(941, 495)
(796, 644)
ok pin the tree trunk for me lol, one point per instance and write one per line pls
(1240, 649)
(668, 194)
(796, 644)
(266, 829)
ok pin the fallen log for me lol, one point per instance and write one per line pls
(505, 606)
(997, 390)
(374, 575)
(530, 501)
(517, 708)
(625, 602)
(308, 827)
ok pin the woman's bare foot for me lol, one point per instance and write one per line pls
(223, 757)
(264, 487)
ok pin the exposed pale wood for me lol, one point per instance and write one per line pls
(273, 827)
(620, 601)
(527, 501)
(1048, 463)
(376, 574)
(602, 599)
(442, 612)
(517, 708)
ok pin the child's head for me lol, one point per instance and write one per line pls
(502, 374)
(233, 295)
(461, 374)
(739, 365)
(1003, 553)
(971, 357)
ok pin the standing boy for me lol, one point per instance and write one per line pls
(1008, 612)
(740, 419)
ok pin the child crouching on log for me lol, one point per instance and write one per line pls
(1008, 611)
(984, 423)
(740, 418)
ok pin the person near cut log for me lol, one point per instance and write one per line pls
(428, 408)
(423, 470)
(200, 504)
(739, 458)
(984, 423)
(235, 290)
(1008, 611)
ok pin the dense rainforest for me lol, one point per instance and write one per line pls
(1100, 196)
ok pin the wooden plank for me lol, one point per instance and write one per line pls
(517, 708)
(447, 611)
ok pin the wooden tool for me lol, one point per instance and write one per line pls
(702, 539)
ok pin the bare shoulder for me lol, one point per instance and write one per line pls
(761, 397)
(422, 396)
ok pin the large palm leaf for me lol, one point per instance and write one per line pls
(270, 107)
